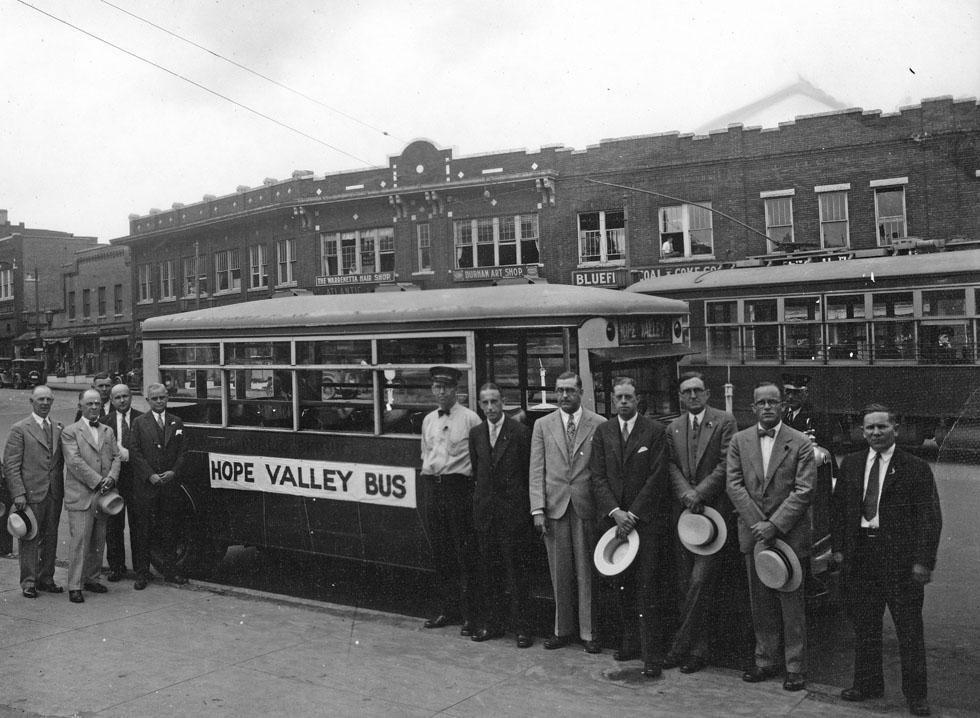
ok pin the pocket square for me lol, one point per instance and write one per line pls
(641, 450)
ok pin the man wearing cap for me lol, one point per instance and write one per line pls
(33, 470)
(886, 533)
(158, 451)
(629, 482)
(770, 472)
(120, 420)
(697, 443)
(500, 449)
(91, 469)
(447, 483)
(563, 510)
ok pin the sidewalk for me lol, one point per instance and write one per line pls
(202, 649)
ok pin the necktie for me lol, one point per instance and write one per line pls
(443, 412)
(94, 424)
(48, 435)
(159, 420)
(124, 432)
(494, 431)
(870, 508)
(692, 444)
(771, 433)
(626, 433)
(570, 434)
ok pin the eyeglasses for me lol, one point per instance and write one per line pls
(767, 402)
(685, 392)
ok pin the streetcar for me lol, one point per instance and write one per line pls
(303, 414)
(862, 326)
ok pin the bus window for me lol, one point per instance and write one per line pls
(336, 400)
(195, 392)
(546, 359)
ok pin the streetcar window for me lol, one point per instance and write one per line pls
(257, 353)
(189, 353)
(721, 312)
(944, 303)
(847, 306)
(334, 352)
(723, 342)
(848, 341)
(895, 304)
(760, 310)
(801, 309)
(422, 350)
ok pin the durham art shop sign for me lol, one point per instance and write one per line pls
(482, 274)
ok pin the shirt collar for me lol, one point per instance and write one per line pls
(628, 424)
(38, 419)
(886, 455)
(691, 417)
(776, 428)
(565, 415)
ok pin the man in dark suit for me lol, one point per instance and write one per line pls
(120, 420)
(629, 482)
(91, 468)
(697, 443)
(886, 532)
(770, 472)
(102, 383)
(33, 471)
(563, 510)
(157, 451)
(500, 450)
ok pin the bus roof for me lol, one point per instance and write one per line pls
(511, 305)
(965, 262)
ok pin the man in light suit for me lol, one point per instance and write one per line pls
(500, 449)
(769, 477)
(120, 420)
(629, 483)
(563, 510)
(33, 470)
(158, 451)
(698, 449)
(886, 532)
(91, 469)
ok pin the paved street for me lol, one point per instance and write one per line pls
(216, 650)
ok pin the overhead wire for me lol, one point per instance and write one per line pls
(207, 89)
(258, 74)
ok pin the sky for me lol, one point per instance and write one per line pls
(90, 134)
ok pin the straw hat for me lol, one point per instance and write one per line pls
(22, 524)
(703, 533)
(777, 566)
(613, 555)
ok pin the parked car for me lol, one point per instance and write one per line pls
(6, 372)
(28, 373)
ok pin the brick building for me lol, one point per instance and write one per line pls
(824, 183)
(31, 297)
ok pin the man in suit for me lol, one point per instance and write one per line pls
(447, 480)
(629, 483)
(157, 451)
(33, 470)
(500, 450)
(563, 510)
(886, 532)
(697, 444)
(770, 472)
(91, 469)
(102, 384)
(120, 420)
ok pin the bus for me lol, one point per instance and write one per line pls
(862, 326)
(303, 413)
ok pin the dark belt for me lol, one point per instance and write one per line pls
(869, 533)
(439, 478)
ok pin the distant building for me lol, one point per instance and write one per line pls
(31, 295)
(798, 99)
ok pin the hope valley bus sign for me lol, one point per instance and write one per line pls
(338, 481)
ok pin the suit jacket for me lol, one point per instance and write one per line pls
(500, 475)
(557, 479)
(152, 451)
(909, 515)
(125, 467)
(707, 476)
(632, 478)
(30, 466)
(781, 495)
(87, 462)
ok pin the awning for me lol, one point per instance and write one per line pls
(627, 354)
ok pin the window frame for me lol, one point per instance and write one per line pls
(486, 231)
(144, 283)
(824, 195)
(258, 267)
(604, 236)
(227, 270)
(286, 262)
(686, 229)
(882, 187)
(771, 201)
(423, 247)
(168, 278)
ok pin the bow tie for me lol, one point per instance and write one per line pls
(444, 412)
(771, 433)
(94, 424)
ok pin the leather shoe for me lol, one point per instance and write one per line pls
(30, 592)
(467, 629)
(440, 621)
(177, 578)
(856, 695)
(626, 653)
(94, 587)
(919, 707)
(652, 670)
(50, 588)
(76, 597)
(593, 647)
(553, 642)
(794, 682)
(140, 583)
(487, 634)
(524, 640)
(671, 661)
(693, 664)
(757, 674)
(115, 575)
